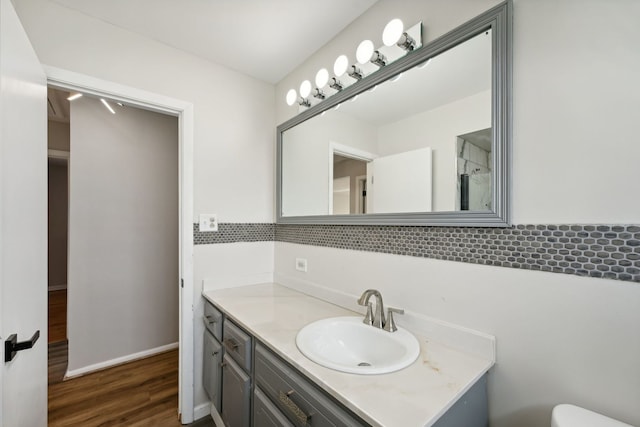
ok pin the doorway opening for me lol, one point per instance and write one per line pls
(183, 112)
(348, 179)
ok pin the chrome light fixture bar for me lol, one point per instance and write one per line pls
(396, 43)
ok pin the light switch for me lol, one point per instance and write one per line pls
(208, 222)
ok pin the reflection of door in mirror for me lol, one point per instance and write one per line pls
(400, 182)
(474, 171)
(347, 176)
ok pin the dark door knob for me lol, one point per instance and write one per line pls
(12, 346)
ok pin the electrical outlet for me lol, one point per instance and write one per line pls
(301, 264)
(208, 222)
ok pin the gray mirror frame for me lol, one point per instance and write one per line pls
(499, 20)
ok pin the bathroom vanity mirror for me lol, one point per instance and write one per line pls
(421, 141)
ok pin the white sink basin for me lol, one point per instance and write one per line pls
(348, 345)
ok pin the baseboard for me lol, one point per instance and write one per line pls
(57, 287)
(201, 411)
(119, 361)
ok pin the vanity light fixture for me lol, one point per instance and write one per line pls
(341, 65)
(335, 84)
(106, 104)
(355, 72)
(305, 91)
(322, 78)
(291, 97)
(74, 97)
(394, 33)
(366, 52)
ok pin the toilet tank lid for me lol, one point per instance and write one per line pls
(566, 415)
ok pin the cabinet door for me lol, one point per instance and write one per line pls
(265, 413)
(236, 394)
(211, 370)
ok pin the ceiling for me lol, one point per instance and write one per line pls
(265, 39)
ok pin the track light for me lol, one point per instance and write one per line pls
(74, 97)
(106, 104)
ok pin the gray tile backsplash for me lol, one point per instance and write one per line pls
(608, 251)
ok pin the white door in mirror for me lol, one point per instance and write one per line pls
(348, 345)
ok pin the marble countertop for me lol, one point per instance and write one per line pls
(415, 396)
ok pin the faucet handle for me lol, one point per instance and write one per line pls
(368, 318)
(390, 325)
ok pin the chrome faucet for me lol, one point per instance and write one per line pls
(377, 319)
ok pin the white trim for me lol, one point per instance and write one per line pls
(361, 182)
(203, 410)
(66, 79)
(120, 360)
(346, 151)
(217, 419)
(57, 287)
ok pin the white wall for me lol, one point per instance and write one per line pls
(438, 129)
(123, 233)
(306, 159)
(233, 124)
(560, 338)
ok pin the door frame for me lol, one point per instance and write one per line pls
(345, 151)
(69, 80)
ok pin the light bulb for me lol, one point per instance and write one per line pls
(305, 88)
(291, 97)
(341, 65)
(322, 78)
(392, 32)
(364, 51)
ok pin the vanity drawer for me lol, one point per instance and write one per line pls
(265, 413)
(295, 397)
(213, 320)
(237, 344)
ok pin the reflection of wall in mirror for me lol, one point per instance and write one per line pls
(438, 128)
(305, 169)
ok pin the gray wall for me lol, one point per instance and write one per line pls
(123, 259)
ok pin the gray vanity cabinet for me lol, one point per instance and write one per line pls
(265, 413)
(211, 370)
(236, 376)
(212, 357)
(236, 394)
(295, 396)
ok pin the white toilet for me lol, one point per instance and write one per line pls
(573, 416)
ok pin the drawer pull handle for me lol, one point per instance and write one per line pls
(230, 344)
(294, 409)
(215, 353)
(211, 321)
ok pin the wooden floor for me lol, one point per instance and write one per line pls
(58, 316)
(139, 393)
